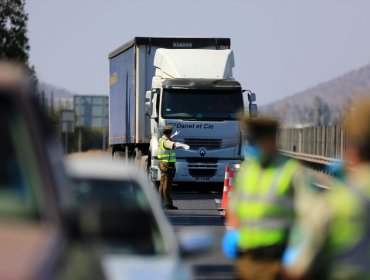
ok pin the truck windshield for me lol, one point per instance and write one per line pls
(201, 104)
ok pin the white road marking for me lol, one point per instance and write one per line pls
(218, 201)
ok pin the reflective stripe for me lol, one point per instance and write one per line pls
(271, 199)
(268, 223)
(165, 155)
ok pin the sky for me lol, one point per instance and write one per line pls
(280, 47)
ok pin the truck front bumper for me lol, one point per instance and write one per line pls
(197, 172)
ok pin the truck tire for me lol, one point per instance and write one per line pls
(119, 155)
(156, 185)
(137, 154)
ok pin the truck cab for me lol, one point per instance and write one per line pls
(193, 90)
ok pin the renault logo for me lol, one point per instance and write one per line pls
(202, 152)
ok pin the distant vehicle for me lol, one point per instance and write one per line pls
(32, 232)
(185, 82)
(121, 217)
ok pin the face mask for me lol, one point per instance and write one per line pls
(252, 152)
(337, 170)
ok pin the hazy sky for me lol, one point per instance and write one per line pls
(281, 46)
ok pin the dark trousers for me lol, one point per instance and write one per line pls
(167, 174)
(260, 263)
(248, 268)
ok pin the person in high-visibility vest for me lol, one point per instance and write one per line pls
(167, 157)
(262, 207)
(332, 241)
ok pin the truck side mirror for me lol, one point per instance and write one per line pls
(151, 98)
(251, 97)
(148, 103)
(154, 114)
(253, 110)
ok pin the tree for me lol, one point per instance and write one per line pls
(13, 31)
(322, 112)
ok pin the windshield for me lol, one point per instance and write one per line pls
(125, 218)
(201, 104)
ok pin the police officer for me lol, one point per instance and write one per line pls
(262, 205)
(332, 241)
(167, 157)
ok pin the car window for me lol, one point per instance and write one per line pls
(18, 174)
(127, 224)
(128, 193)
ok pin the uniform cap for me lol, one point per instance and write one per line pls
(259, 128)
(167, 128)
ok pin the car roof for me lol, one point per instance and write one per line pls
(107, 168)
(103, 167)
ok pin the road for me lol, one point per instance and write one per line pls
(200, 210)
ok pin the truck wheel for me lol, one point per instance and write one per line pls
(118, 155)
(156, 184)
(137, 154)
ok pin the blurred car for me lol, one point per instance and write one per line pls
(119, 215)
(32, 232)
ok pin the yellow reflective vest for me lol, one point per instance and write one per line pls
(265, 210)
(348, 243)
(164, 154)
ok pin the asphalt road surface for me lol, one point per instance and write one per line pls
(197, 210)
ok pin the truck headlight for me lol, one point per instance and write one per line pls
(235, 166)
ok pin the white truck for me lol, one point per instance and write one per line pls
(185, 82)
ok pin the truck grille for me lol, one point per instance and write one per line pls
(202, 160)
(209, 144)
(202, 172)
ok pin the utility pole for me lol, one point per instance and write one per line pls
(67, 121)
(79, 139)
(66, 138)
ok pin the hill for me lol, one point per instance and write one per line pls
(323, 104)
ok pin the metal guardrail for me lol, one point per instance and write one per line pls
(318, 166)
(316, 147)
(324, 142)
(313, 162)
(310, 158)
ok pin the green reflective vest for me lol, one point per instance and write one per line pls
(165, 155)
(265, 209)
(349, 233)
